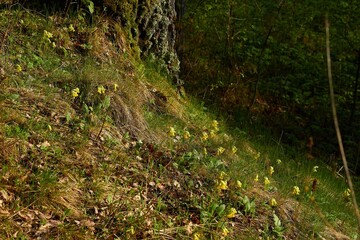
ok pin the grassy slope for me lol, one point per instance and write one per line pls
(102, 165)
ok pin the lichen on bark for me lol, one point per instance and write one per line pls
(156, 24)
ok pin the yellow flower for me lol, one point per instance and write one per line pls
(220, 150)
(18, 68)
(278, 161)
(234, 149)
(266, 181)
(222, 185)
(273, 202)
(75, 92)
(197, 236)
(215, 124)
(49, 127)
(132, 230)
(257, 156)
(171, 132)
(205, 152)
(315, 168)
(115, 86)
(296, 190)
(222, 175)
(204, 136)
(47, 34)
(225, 231)
(101, 89)
(238, 184)
(256, 179)
(186, 135)
(347, 193)
(71, 28)
(271, 170)
(231, 213)
(212, 134)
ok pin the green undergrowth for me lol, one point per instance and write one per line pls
(96, 144)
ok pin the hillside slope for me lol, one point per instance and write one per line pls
(97, 144)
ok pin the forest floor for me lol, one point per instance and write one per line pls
(97, 144)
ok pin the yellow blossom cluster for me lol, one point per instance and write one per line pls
(101, 89)
(266, 181)
(347, 193)
(215, 125)
(186, 135)
(204, 136)
(296, 190)
(220, 150)
(18, 68)
(234, 149)
(75, 92)
(231, 213)
(238, 184)
(273, 202)
(271, 170)
(171, 132)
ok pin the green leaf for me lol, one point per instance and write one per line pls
(107, 102)
(91, 7)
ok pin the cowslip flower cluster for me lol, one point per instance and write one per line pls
(315, 169)
(256, 179)
(186, 135)
(171, 132)
(271, 170)
(234, 149)
(273, 202)
(222, 185)
(18, 68)
(71, 28)
(47, 36)
(278, 161)
(115, 87)
(204, 136)
(215, 125)
(347, 193)
(225, 231)
(296, 191)
(75, 92)
(220, 150)
(101, 89)
(231, 213)
(197, 236)
(205, 152)
(238, 184)
(266, 181)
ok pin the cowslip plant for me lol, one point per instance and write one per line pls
(220, 151)
(271, 170)
(273, 202)
(296, 191)
(186, 135)
(266, 182)
(232, 212)
(234, 149)
(171, 132)
(75, 92)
